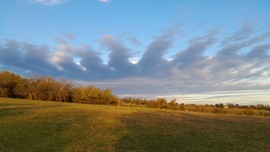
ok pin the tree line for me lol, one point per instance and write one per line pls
(162, 103)
(219, 108)
(47, 88)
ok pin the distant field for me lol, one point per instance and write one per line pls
(27, 125)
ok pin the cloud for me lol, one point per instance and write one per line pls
(46, 2)
(119, 56)
(105, 1)
(26, 57)
(240, 64)
(65, 63)
(89, 66)
(194, 52)
(243, 33)
(258, 52)
(152, 60)
(134, 41)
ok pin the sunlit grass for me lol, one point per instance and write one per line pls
(51, 126)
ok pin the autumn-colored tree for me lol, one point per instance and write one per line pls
(44, 88)
(173, 104)
(23, 89)
(107, 97)
(8, 82)
(93, 94)
(65, 91)
(79, 95)
(162, 103)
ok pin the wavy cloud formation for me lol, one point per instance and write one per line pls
(240, 61)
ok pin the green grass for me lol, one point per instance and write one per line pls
(51, 126)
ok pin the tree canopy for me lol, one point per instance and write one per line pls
(47, 88)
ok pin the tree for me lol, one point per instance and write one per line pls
(8, 83)
(108, 98)
(65, 91)
(173, 104)
(79, 95)
(162, 103)
(93, 95)
(23, 89)
(44, 88)
(221, 105)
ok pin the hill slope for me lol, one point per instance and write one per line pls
(50, 126)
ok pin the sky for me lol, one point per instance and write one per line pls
(195, 51)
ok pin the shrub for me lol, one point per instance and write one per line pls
(248, 112)
(219, 110)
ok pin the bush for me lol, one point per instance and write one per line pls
(219, 110)
(248, 112)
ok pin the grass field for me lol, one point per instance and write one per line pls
(51, 126)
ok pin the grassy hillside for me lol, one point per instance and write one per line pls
(50, 126)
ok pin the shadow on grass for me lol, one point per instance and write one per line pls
(173, 131)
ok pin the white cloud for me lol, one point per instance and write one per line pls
(105, 1)
(46, 2)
